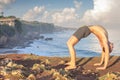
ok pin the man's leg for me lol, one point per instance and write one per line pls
(71, 43)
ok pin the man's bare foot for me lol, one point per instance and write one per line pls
(68, 63)
(101, 68)
(70, 67)
(97, 64)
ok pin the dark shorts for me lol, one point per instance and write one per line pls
(82, 32)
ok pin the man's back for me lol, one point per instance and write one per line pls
(100, 32)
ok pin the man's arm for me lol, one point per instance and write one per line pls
(102, 59)
(106, 54)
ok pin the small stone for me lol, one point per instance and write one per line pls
(36, 67)
(47, 61)
(89, 70)
(31, 77)
(62, 62)
(15, 72)
(93, 73)
(10, 64)
(84, 72)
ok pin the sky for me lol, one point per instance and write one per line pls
(65, 13)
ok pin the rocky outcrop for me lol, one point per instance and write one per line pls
(3, 40)
(23, 31)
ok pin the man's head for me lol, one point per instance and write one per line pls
(111, 46)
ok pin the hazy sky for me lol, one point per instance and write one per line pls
(68, 13)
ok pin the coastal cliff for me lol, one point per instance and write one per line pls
(22, 31)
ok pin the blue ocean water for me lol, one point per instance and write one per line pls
(87, 47)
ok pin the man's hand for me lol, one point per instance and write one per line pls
(101, 68)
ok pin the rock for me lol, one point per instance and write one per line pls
(6, 61)
(16, 72)
(31, 77)
(3, 73)
(83, 72)
(47, 39)
(19, 66)
(47, 61)
(56, 74)
(10, 64)
(62, 62)
(52, 71)
(109, 76)
(36, 67)
(57, 78)
(41, 37)
(17, 76)
(89, 70)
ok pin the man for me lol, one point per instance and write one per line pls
(83, 32)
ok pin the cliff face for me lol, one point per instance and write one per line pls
(25, 31)
(3, 40)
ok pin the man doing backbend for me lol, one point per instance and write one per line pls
(102, 35)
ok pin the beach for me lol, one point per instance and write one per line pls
(34, 67)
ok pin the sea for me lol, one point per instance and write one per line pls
(56, 46)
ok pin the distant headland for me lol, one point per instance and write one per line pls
(14, 31)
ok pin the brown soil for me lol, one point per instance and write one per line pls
(84, 71)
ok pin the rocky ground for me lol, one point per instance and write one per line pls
(33, 67)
